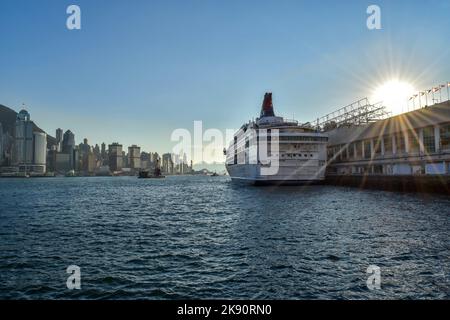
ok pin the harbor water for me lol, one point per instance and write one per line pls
(187, 237)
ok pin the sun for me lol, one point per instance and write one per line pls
(394, 95)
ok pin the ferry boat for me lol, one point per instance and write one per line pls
(273, 150)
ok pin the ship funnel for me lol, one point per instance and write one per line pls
(267, 106)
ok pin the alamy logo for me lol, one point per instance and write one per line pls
(261, 147)
(374, 20)
(74, 280)
(374, 280)
(74, 20)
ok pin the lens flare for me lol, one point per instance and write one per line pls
(394, 95)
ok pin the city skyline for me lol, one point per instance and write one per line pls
(115, 78)
(59, 135)
(26, 150)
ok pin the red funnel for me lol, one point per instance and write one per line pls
(267, 106)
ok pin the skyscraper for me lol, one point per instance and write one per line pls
(59, 139)
(85, 147)
(30, 147)
(103, 154)
(154, 157)
(145, 160)
(167, 163)
(23, 139)
(68, 144)
(40, 149)
(115, 156)
(134, 157)
(84, 152)
(96, 151)
(89, 162)
(68, 147)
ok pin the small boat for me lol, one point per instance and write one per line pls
(70, 173)
(145, 174)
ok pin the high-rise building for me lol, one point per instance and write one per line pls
(154, 157)
(51, 159)
(8, 148)
(96, 151)
(63, 162)
(68, 147)
(23, 139)
(145, 160)
(104, 155)
(40, 149)
(134, 157)
(85, 147)
(59, 139)
(115, 156)
(167, 163)
(103, 151)
(68, 143)
(89, 163)
(30, 147)
(77, 160)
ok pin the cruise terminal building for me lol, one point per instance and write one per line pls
(410, 151)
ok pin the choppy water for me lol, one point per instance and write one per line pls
(203, 237)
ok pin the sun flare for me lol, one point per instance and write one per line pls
(394, 95)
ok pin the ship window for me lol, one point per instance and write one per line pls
(303, 138)
(311, 155)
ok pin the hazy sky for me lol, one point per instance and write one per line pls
(137, 70)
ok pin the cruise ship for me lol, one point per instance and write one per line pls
(273, 150)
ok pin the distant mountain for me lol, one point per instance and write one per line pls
(212, 167)
(8, 119)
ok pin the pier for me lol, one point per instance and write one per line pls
(407, 152)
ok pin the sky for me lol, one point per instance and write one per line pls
(138, 70)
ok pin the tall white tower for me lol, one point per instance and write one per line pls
(40, 150)
(30, 147)
(23, 139)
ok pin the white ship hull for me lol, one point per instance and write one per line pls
(297, 174)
